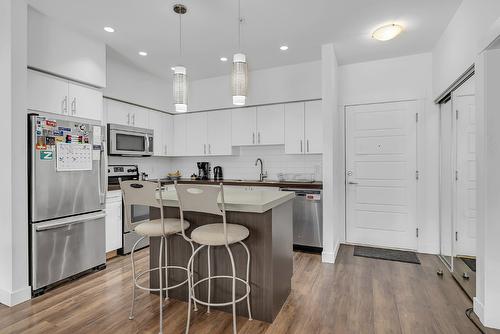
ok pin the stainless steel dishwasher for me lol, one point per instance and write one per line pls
(307, 219)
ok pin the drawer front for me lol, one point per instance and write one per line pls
(63, 250)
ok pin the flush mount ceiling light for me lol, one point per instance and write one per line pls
(240, 72)
(387, 32)
(109, 29)
(180, 80)
(223, 59)
(143, 53)
(284, 47)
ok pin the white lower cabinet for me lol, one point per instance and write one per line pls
(113, 220)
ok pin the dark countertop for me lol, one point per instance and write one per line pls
(233, 182)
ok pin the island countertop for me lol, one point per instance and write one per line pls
(256, 201)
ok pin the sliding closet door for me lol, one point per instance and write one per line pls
(446, 176)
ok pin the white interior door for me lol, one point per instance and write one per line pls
(381, 174)
(465, 238)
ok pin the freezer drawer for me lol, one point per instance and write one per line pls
(65, 247)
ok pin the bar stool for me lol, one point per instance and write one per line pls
(205, 198)
(147, 193)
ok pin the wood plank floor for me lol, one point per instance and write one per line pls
(356, 295)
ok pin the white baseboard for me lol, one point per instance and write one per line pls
(478, 308)
(486, 319)
(11, 298)
(327, 257)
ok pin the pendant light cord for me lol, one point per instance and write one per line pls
(239, 25)
(180, 36)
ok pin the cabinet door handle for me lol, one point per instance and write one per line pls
(205, 149)
(133, 119)
(73, 106)
(301, 146)
(128, 119)
(258, 136)
(307, 145)
(209, 149)
(253, 137)
(165, 149)
(64, 105)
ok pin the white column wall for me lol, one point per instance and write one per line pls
(13, 192)
(331, 153)
(487, 300)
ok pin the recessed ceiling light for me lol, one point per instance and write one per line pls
(284, 47)
(109, 29)
(387, 32)
(223, 59)
(143, 53)
(172, 68)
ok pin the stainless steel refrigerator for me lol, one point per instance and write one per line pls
(67, 191)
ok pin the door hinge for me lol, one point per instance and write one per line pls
(417, 175)
(416, 117)
(417, 232)
(456, 114)
(456, 236)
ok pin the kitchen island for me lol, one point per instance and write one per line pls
(268, 215)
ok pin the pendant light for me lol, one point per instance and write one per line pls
(180, 80)
(240, 72)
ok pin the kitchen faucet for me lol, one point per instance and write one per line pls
(263, 174)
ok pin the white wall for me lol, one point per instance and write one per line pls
(129, 83)
(13, 193)
(395, 79)
(487, 300)
(58, 49)
(459, 45)
(278, 84)
(332, 159)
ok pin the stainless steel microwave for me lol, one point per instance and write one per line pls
(129, 141)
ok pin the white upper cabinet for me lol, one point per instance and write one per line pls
(127, 114)
(161, 123)
(155, 123)
(47, 93)
(313, 128)
(294, 128)
(219, 133)
(196, 134)
(180, 137)
(271, 125)
(168, 134)
(50, 94)
(84, 102)
(244, 126)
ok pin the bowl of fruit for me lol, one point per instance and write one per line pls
(174, 176)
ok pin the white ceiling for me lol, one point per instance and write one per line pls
(210, 29)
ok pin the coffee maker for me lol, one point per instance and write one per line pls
(203, 170)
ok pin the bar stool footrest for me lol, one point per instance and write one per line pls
(219, 304)
(165, 288)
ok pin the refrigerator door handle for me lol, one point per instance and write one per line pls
(102, 173)
(69, 221)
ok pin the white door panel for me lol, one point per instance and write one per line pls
(466, 181)
(271, 125)
(196, 134)
(244, 126)
(219, 132)
(47, 93)
(380, 174)
(85, 102)
(294, 128)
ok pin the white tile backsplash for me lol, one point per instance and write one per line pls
(240, 166)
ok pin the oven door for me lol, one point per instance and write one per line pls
(130, 143)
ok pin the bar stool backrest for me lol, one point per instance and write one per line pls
(144, 193)
(202, 198)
